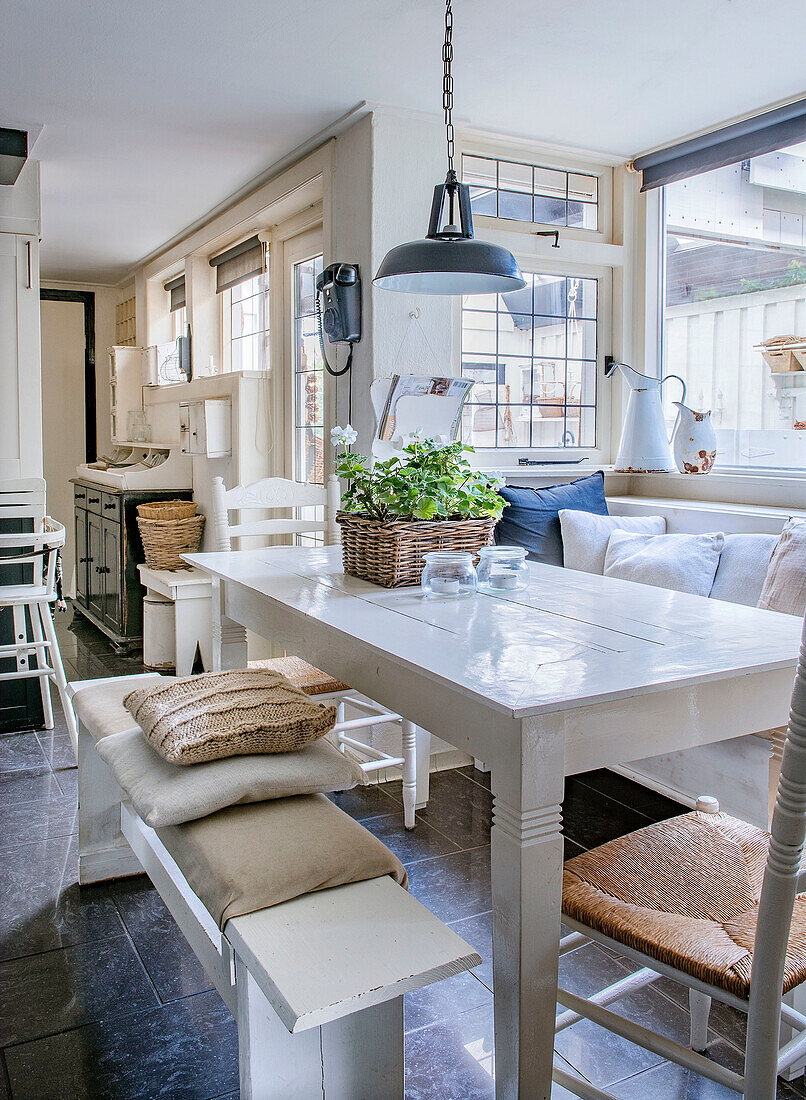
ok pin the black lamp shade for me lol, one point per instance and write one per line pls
(450, 260)
(461, 266)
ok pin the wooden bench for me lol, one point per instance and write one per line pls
(315, 984)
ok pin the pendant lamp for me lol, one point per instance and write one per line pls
(449, 260)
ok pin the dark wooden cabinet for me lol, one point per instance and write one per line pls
(108, 551)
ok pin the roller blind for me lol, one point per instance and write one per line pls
(776, 129)
(176, 289)
(241, 262)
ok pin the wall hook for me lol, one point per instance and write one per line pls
(415, 313)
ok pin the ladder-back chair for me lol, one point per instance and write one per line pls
(279, 494)
(716, 905)
(29, 545)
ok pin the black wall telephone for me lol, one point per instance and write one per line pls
(338, 310)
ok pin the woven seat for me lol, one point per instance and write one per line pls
(684, 892)
(306, 677)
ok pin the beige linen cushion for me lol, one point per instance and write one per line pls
(785, 585)
(99, 706)
(682, 563)
(231, 713)
(164, 794)
(247, 858)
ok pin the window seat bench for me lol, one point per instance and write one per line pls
(315, 983)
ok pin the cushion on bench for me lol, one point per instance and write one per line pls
(586, 534)
(742, 568)
(247, 858)
(99, 707)
(166, 794)
(232, 713)
(682, 563)
(532, 519)
(785, 584)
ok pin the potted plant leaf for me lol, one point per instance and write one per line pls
(396, 511)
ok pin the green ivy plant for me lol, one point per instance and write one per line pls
(431, 480)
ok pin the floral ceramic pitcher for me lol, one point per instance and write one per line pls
(694, 441)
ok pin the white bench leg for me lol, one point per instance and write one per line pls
(103, 852)
(359, 1057)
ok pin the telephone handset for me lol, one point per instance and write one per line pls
(338, 310)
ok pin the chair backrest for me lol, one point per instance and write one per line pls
(22, 510)
(273, 494)
(782, 882)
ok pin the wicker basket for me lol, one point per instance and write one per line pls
(391, 552)
(164, 540)
(167, 509)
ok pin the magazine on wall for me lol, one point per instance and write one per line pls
(454, 390)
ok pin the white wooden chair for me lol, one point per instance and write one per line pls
(229, 640)
(710, 902)
(28, 586)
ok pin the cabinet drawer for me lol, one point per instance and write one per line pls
(80, 496)
(110, 506)
(93, 500)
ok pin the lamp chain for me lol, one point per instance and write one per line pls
(447, 82)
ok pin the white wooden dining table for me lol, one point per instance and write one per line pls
(578, 672)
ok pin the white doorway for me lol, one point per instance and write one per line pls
(63, 414)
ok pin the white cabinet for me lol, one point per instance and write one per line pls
(205, 427)
(20, 370)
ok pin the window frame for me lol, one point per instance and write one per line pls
(225, 321)
(586, 253)
(653, 309)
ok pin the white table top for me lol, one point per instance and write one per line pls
(572, 639)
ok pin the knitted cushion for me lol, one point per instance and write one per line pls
(228, 713)
(684, 892)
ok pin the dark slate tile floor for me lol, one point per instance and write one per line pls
(100, 996)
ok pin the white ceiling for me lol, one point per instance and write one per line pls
(155, 111)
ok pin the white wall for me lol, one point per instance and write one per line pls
(385, 169)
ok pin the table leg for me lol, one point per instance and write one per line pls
(228, 637)
(527, 859)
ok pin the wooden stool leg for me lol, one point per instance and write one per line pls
(41, 658)
(409, 754)
(58, 670)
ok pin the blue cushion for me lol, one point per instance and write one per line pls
(532, 518)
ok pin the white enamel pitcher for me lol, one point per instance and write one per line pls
(644, 446)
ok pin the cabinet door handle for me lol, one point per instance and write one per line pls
(113, 505)
(82, 560)
(95, 500)
(97, 569)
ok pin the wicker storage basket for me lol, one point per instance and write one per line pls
(165, 539)
(784, 354)
(167, 509)
(391, 552)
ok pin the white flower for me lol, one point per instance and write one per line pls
(343, 437)
(441, 442)
(497, 479)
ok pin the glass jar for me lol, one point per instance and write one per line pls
(448, 574)
(503, 569)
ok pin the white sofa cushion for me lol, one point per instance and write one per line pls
(683, 563)
(785, 584)
(742, 568)
(585, 536)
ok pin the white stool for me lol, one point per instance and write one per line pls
(190, 592)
